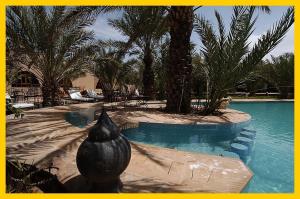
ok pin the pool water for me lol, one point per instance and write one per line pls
(82, 117)
(272, 158)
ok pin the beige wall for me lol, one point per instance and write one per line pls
(88, 81)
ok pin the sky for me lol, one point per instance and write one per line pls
(264, 22)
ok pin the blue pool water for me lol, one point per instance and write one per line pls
(82, 117)
(272, 159)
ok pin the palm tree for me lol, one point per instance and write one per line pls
(144, 27)
(279, 71)
(53, 41)
(181, 20)
(111, 70)
(227, 57)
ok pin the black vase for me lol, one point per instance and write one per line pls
(103, 156)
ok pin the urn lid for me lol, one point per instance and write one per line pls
(105, 129)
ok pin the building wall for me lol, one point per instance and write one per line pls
(88, 81)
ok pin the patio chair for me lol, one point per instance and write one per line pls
(17, 105)
(76, 96)
(93, 94)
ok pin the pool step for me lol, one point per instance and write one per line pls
(248, 134)
(239, 149)
(245, 141)
(243, 144)
(249, 130)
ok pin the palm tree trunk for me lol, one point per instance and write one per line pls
(148, 74)
(50, 93)
(54, 94)
(179, 67)
(46, 94)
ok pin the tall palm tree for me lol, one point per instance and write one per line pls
(279, 71)
(227, 57)
(144, 27)
(53, 41)
(181, 20)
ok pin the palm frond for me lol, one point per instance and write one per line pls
(269, 40)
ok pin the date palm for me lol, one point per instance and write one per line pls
(227, 56)
(279, 71)
(179, 71)
(53, 41)
(144, 27)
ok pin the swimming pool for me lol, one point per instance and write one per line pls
(272, 159)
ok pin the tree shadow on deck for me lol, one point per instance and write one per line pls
(79, 184)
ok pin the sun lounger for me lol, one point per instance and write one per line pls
(18, 105)
(93, 94)
(76, 96)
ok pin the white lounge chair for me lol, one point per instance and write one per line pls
(18, 105)
(93, 94)
(76, 96)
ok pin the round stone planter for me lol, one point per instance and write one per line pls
(103, 156)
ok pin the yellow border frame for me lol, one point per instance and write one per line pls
(4, 3)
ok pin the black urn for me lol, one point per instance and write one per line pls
(103, 156)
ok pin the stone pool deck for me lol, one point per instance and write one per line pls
(43, 136)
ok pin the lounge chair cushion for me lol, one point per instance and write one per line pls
(17, 105)
(77, 96)
(23, 105)
(93, 94)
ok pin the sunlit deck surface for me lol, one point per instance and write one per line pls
(43, 136)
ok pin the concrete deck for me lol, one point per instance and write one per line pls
(43, 136)
(161, 170)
